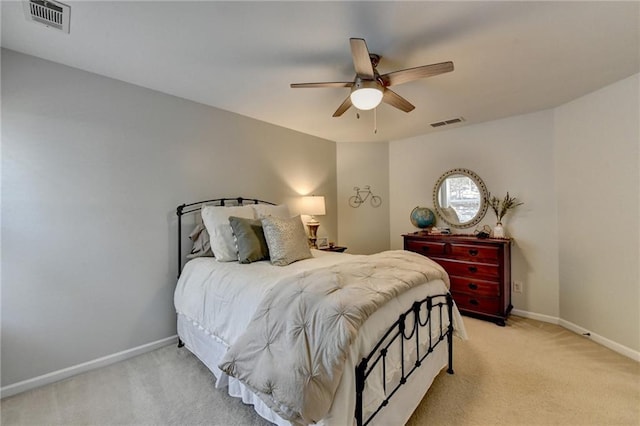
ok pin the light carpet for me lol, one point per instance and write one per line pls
(527, 373)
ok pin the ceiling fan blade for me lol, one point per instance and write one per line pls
(361, 58)
(343, 107)
(404, 76)
(392, 98)
(329, 84)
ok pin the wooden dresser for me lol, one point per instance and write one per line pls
(479, 269)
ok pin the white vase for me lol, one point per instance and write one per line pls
(498, 231)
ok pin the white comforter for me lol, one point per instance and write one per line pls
(223, 297)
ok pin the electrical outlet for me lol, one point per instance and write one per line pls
(518, 286)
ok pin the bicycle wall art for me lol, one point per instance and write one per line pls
(362, 195)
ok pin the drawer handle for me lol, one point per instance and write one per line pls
(474, 302)
(473, 269)
(425, 248)
(473, 252)
(473, 286)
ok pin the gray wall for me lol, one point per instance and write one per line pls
(92, 170)
(364, 230)
(598, 183)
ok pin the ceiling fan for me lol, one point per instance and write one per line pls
(369, 88)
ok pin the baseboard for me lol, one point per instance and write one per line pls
(55, 376)
(614, 346)
(535, 316)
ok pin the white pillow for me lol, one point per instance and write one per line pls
(266, 210)
(216, 220)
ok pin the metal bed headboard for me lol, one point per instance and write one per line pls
(194, 207)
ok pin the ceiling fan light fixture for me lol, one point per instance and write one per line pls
(369, 88)
(366, 95)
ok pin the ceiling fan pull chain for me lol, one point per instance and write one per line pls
(375, 120)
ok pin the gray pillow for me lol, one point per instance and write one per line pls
(249, 239)
(286, 239)
(201, 245)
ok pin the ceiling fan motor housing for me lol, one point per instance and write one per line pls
(365, 84)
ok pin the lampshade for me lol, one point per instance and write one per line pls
(313, 205)
(366, 94)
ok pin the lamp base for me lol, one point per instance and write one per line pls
(313, 233)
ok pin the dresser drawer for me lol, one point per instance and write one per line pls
(427, 248)
(474, 287)
(470, 270)
(475, 253)
(479, 270)
(487, 305)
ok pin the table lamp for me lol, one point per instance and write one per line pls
(313, 205)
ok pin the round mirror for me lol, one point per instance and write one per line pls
(460, 198)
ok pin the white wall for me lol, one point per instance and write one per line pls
(364, 230)
(92, 170)
(597, 168)
(515, 155)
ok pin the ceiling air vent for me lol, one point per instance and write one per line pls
(53, 14)
(448, 122)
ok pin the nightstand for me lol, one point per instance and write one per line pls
(337, 249)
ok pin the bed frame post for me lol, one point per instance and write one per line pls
(360, 378)
(179, 214)
(450, 332)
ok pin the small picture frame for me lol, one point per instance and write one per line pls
(322, 242)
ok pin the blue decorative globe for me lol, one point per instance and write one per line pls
(422, 217)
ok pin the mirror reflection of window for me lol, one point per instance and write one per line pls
(460, 198)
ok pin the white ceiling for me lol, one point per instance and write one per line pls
(510, 57)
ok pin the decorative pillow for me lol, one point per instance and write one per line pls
(266, 210)
(216, 220)
(201, 244)
(249, 239)
(286, 239)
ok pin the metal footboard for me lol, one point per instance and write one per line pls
(399, 333)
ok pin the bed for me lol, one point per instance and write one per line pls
(328, 339)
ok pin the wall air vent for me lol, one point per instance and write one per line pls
(53, 14)
(447, 122)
